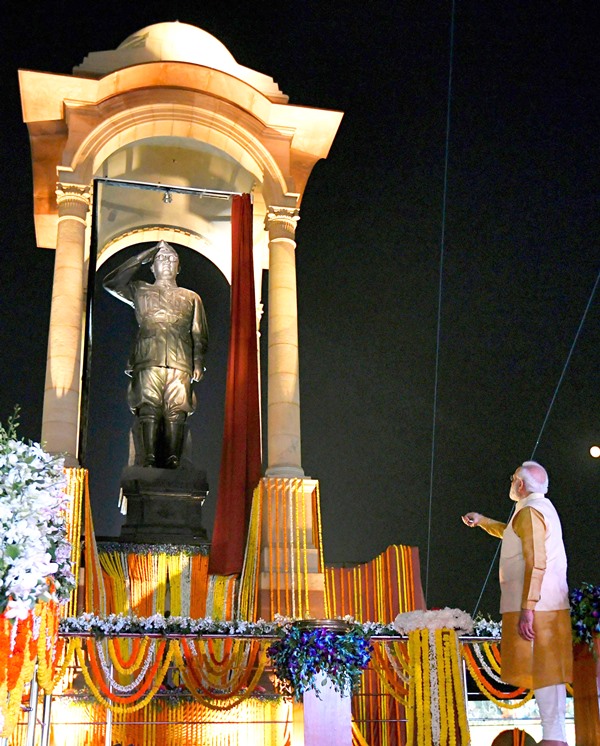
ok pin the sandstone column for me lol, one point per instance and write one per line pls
(60, 419)
(283, 410)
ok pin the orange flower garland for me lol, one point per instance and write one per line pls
(134, 661)
(99, 676)
(384, 664)
(17, 661)
(138, 699)
(222, 701)
(488, 689)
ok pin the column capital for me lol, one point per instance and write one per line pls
(71, 195)
(281, 222)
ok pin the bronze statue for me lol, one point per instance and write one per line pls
(168, 353)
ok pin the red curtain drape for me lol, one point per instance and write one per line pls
(241, 467)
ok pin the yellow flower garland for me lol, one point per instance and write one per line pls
(46, 680)
(207, 701)
(127, 670)
(451, 711)
(499, 702)
(118, 708)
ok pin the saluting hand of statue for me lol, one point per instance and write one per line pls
(147, 257)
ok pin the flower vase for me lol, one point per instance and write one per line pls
(586, 681)
(327, 717)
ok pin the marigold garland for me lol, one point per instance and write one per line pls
(393, 679)
(134, 661)
(17, 668)
(455, 680)
(492, 654)
(106, 688)
(210, 699)
(226, 684)
(436, 712)
(483, 685)
(53, 660)
(474, 667)
(124, 705)
(49, 678)
(22, 633)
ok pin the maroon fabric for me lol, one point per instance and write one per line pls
(241, 467)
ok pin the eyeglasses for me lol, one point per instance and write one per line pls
(514, 476)
(171, 258)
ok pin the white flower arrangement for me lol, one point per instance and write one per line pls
(487, 627)
(122, 624)
(34, 553)
(446, 618)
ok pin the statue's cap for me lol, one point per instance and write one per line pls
(165, 248)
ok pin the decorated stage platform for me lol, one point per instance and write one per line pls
(152, 649)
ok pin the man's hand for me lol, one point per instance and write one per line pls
(526, 624)
(198, 373)
(472, 519)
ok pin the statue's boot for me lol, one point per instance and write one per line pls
(174, 443)
(149, 430)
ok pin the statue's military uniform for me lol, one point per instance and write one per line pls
(170, 343)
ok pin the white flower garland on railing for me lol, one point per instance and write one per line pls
(130, 624)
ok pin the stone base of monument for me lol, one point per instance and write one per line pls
(164, 506)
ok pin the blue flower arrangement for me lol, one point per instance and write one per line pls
(308, 656)
(585, 613)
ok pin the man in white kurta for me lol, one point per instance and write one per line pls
(536, 628)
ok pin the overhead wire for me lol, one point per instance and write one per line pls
(440, 294)
(548, 411)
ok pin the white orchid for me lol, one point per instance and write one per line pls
(33, 548)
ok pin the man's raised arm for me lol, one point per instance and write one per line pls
(117, 281)
(494, 528)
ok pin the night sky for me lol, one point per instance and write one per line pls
(520, 262)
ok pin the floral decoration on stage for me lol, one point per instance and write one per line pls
(446, 618)
(130, 624)
(34, 553)
(585, 613)
(309, 655)
(487, 627)
(167, 626)
(35, 563)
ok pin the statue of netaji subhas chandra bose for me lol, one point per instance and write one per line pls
(168, 353)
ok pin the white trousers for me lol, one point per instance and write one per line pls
(552, 704)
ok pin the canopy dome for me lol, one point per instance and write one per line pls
(175, 42)
(179, 42)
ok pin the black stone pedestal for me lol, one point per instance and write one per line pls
(164, 506)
